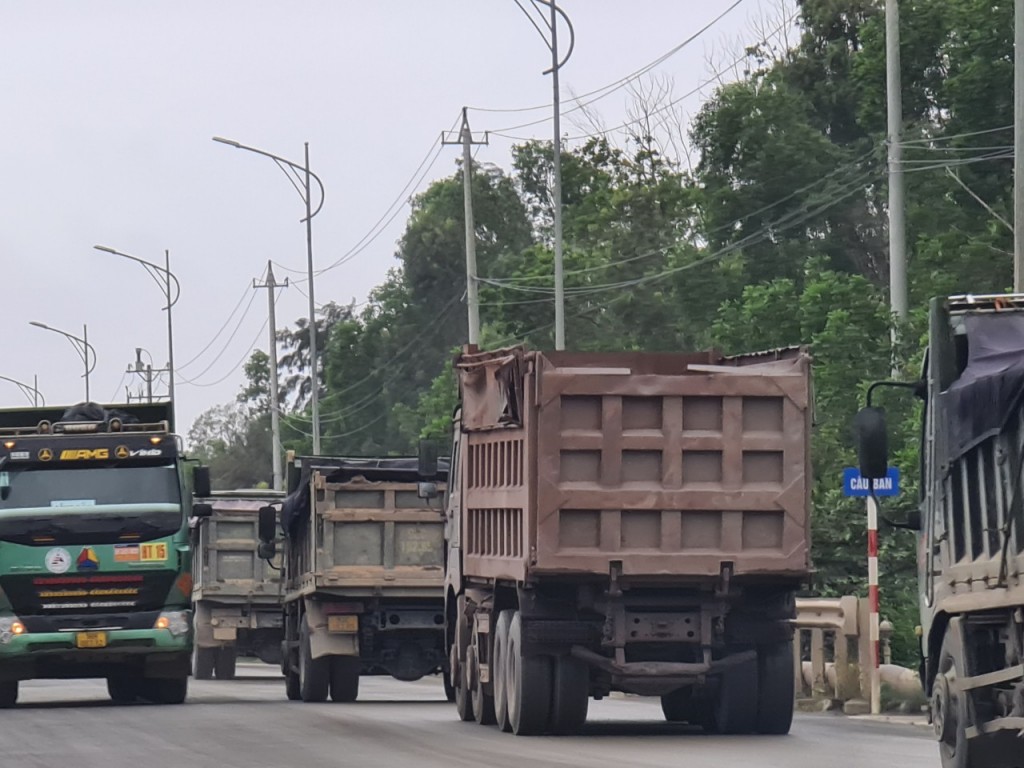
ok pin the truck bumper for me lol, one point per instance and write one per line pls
(656, 678)
(148, 652)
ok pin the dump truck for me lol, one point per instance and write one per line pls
(969, 523)
(363, 571)
(95, 560)
(236, 594)
(632, 522)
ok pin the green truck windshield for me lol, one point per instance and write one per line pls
(33, 487)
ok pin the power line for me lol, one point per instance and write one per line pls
(714, 78)
(234, 369)
(218, 333)
(617, 84)
(227, 343)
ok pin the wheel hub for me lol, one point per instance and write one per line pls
(943, 715)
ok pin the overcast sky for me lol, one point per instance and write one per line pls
(108, 113)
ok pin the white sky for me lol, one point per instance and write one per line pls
(108, 109)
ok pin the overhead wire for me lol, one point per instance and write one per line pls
(617, 84)
(503, 132)
(217, 334)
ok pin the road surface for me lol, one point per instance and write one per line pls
(247, 723)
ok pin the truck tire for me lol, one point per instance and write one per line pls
(529, 684)
(678, 706)
(8, 694)
(498, 680)
(449, 689)
(123, 689)
(224, 666)
(291, 686)
(481, 702)
(344, 678)
(776, 688)
(949, 707)
(570, 695)
(203, 660)
(734, 703)
(166, 690)
(314, 674)
(463, 706)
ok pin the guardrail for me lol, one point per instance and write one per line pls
(832, 652)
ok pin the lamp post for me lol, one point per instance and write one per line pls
(31, 391)
(164, 278)
(81, 345)
(304, 190)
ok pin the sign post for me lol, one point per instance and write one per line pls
(857, 486)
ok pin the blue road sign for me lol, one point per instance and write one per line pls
(855, 485)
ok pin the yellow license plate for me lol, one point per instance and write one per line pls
(91, 639)
(342, 623)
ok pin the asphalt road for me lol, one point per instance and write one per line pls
(247, 723)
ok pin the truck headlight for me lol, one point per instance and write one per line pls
(10, 627)
(178, 623)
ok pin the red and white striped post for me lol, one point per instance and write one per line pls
(874, 636)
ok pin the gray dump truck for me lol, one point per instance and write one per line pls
(970, 525)
(237, 595)
(363, 569)
(627, 522)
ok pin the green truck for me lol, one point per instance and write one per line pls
(95, 552)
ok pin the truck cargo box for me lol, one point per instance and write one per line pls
(668, 465)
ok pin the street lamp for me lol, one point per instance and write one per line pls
(164, 278)
(81, 345)
(306, 195)
(556, 192)
(31, 391)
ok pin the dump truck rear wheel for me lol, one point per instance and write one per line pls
(775, 688)
(529, 684)
(344, 678)
(449, 689)
(482, 703)
(734, 703)
(463, 705)
(8, 694)
(203, 660)
(678, 706)
(224, 666)
(291, 686)
(499, 681)
(949, 709)
(570, 695)
(314, 674)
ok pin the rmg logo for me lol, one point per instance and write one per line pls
(79, 454)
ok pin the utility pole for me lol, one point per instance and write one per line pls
(1018, 146)
(472, 292)
(557, 188)
(147, 373)
(275, 418)
(897, 194)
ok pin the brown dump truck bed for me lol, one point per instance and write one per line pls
(672, 465)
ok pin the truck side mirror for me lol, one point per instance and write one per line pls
(202, 510)
(266, 550)
(427, 463)
(201, 481)
(267, 524)
(427, 490)
(872, 442)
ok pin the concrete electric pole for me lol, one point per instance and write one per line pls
(275, 417)
(472, 288)
(897, 194)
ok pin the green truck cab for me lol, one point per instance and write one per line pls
(95, 549)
